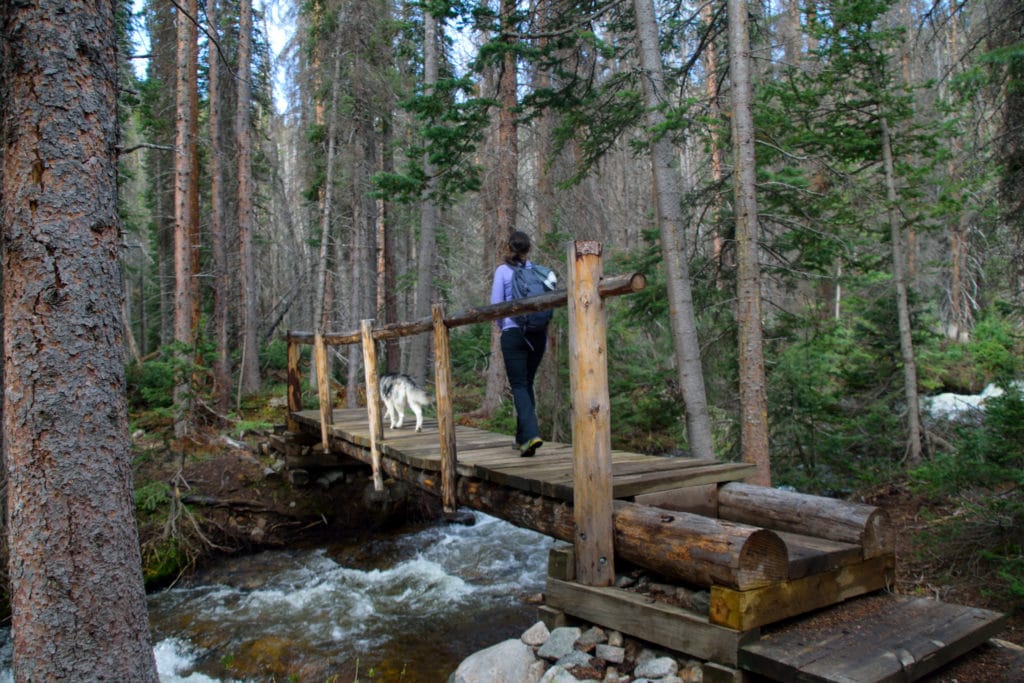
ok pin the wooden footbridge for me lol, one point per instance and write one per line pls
(743, 563)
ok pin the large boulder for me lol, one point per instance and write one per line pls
(510, 661)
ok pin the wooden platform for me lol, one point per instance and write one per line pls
(874, 639)
(490, 457)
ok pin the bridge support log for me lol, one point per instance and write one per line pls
(591, 424)
(678, 545)
(802, 513)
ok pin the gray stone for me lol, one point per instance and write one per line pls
(574, 658)
(591, 637)
(558, 674)
(559, 643)
(615, 639)
(506, 662)
(659, 667)
(536, 635)
(610, 653)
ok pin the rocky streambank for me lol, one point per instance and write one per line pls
(571, 654)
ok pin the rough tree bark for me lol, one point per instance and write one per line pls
(186, 215)
(250, 370)
(753, 399)
(419, 346)
(501, 221)
(218, 236)
(666, 187)
(79, 610)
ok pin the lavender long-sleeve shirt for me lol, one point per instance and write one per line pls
(501, 290)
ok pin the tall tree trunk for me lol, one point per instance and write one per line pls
(666, 187)
(549, 384)
(159, 164)
(185, 214)
(429, 214)
(321, 310)
(753, 402)
(250, 369)
(218, 237)
(506, 186)
(77, 597)
(899, 276)
(508, 132)
(709, 57)
(387, 299)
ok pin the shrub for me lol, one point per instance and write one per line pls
(150, 384)
(985, 475)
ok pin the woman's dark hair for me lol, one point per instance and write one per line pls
(518, 247)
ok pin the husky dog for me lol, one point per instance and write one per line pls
(399, 391)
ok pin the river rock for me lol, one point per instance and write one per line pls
(559, 643)
(591, 637)
(536, 635)
(574, 659)
(659, 667)
(510, 661)
(610, 653)
(558, 674)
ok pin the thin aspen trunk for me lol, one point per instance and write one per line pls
(666, 186)
(321, 312)
(899, 276)
(753, 400)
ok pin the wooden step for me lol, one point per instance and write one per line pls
(873, 639)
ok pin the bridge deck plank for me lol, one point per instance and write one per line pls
(490, 457)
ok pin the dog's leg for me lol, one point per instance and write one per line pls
(391, 417)
(419, 415)
(400, 410)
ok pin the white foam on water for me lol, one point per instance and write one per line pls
(174, 661)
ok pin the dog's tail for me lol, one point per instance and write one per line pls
(421, 396)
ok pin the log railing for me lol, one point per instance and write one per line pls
(586, 291)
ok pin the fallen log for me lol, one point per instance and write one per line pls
(680, 546)
(802, 513)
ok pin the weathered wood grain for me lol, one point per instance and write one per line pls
(904, 640)
(636, 615)
(445, 412)
(801, 513)
(747, 609)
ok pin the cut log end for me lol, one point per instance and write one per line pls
(879, 537)
(763, 560)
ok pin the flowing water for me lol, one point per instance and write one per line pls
(402, 607)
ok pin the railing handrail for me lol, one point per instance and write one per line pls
(610, 286)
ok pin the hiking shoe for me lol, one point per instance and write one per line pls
(530, 447)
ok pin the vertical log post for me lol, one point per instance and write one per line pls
(323, 386)
(373, 401)
(445, 411)
(294, 384)
(591, 428)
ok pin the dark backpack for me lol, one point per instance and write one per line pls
(527, 282)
